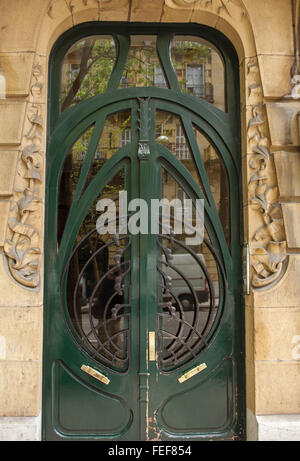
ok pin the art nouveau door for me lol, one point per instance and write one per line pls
(141, 328)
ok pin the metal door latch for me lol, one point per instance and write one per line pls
(189, 374)
(96, 374)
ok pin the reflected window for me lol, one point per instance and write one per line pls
(88, 64)
(195, 81)
(142, 67)
(181, 147)
(125, 137)
(159, 78)
(199, 69)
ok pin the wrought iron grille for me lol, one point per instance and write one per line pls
(187, 321)
(100, 319)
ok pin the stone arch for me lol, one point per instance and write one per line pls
(232, 19)
(264, 229)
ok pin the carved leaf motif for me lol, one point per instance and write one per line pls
(37, 120)
(22, 246)
(21, 228)
(30, 269)
(275, 230)
(33, 173)
(10, 249)
(220, 5)
(252, 67)
(255, 121)
(254, 89)
(259, 175)
(268, 263)
(255, 162)
(31, 158)
(277, 252)
(30, 152)
(260, 202)
(268, 245)
(261, 234)
(36, 89)
(271, 194)
(275, 212)
(263, 151)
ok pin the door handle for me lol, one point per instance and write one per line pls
(189, 374)
(151, 346)
(96, 374)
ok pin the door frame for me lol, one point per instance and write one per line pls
(232, 97)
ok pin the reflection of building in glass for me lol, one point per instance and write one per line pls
(125, 137)
(200, 73)
(88, 64)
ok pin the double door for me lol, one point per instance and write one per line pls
(143, 321)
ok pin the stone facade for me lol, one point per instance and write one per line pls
(266, 37)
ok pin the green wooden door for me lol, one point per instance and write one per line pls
(143, 328)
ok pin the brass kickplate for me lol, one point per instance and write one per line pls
(189, 374)
(96, 374)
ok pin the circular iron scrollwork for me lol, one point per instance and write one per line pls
(190, 308)
(95, 295)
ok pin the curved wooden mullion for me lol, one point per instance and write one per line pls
(186, 180)
(215, 126)
(188, 129)
(123, 47)
(97, 131)
(163, 51)
(113, 166)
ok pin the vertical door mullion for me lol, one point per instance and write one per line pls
(147, 258)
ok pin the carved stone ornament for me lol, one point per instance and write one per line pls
(268, 244)
(22, 245)
(100, 4)
(217, 5)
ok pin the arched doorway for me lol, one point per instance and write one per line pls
(154, 348)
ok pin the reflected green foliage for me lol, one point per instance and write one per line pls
(188, 51)
(94, 60)
(90, 63)
(141, 66)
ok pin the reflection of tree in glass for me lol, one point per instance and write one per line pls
(188, 51)
(90, 63)
(95, 59)
(140, 66)
(96, 62)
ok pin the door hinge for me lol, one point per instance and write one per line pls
(246, 269)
